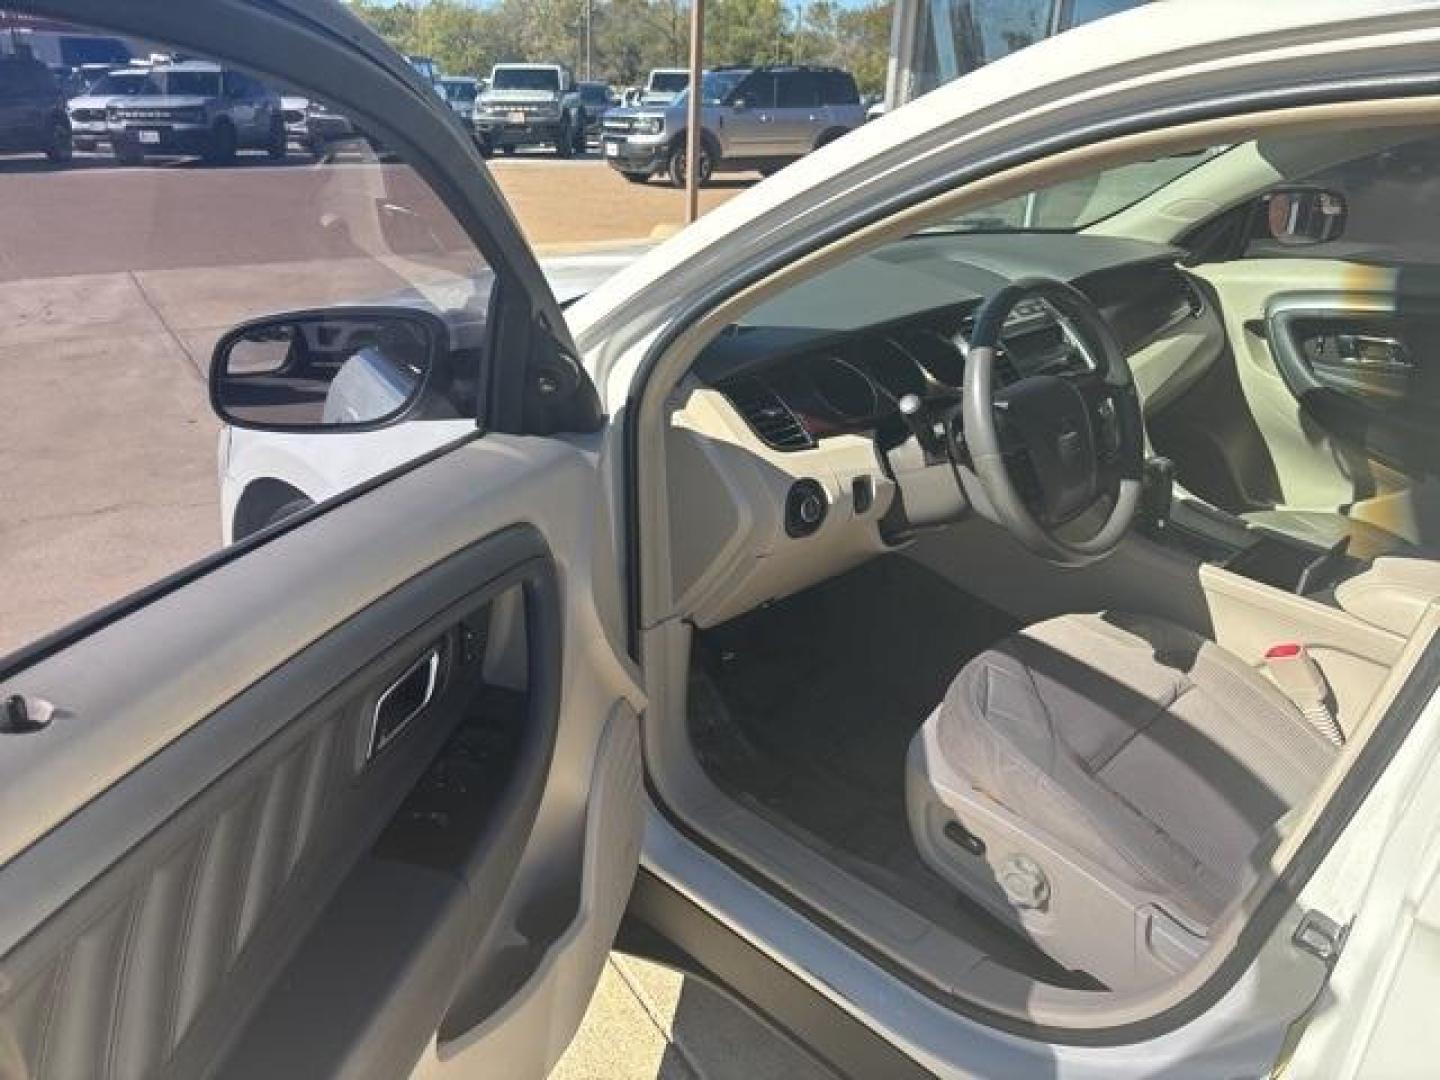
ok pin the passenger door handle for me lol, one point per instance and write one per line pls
(404, 700)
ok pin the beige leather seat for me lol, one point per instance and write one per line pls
(1107, 783)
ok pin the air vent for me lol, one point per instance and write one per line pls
(768, 415)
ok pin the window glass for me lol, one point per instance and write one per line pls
(839, 88)
(1390, 198)
(75, 51)
(1078, 203)
(189, 83)
(124, 84)
(758, 90)
(526, 79)
(669, 82)
(798, 90)
(117, 283)
(1080, 12)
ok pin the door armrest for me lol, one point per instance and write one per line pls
(1393, 594)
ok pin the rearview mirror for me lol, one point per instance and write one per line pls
(1299, 217)
(344, 369)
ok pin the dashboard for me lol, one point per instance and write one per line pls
(798, 383)
(788, 453)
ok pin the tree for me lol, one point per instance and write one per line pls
(629, 37)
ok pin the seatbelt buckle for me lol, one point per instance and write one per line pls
(1300, 679)
(1296, 673)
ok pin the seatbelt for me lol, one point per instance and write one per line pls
(1300, 678)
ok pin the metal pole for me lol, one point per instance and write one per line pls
(589, 36)
(692, 112)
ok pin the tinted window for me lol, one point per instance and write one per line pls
(526, 79)
(669, 82)
(838, 88)
(124, 84)
(758, 90)
(594, 95)
(190, 83)
(798, 89)
(24, 79)
(75, 51)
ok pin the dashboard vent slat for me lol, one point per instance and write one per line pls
(768, 415)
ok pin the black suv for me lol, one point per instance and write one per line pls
(32, 110)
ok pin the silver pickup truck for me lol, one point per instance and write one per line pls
(530, 105)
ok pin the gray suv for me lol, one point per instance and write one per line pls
(753, 117)
(195, 107)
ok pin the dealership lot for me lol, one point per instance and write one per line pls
(111, 445)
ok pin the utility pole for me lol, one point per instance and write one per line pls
(589, 37)
(693, 150)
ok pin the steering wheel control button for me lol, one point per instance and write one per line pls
(805, 508)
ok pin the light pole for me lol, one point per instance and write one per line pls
(692, 112)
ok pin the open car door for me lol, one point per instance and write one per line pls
(362, 795)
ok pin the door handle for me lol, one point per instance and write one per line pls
(1373, 352)
(404, 700)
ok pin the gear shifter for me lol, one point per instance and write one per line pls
(1157, 492)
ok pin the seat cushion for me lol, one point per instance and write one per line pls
(1137, 745)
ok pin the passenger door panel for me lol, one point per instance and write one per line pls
(1332, 434)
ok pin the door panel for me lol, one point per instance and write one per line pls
(242, 861)
(1326, 446)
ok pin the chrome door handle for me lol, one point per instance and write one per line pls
(404, 700)
(1373, 352)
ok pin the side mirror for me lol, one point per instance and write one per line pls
(1300, 217)
(740, 104)
(343, 369)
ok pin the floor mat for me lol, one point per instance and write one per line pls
(805, 710)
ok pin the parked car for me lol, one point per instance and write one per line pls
(596, 98)
(754, 118)
(196, 107)
(461, 93)
(803, 607)
(88, 117)
(428, 70)
(530, 105)
(32, 110)
(664, 85)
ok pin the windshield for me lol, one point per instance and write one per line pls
(668, 82)
(526, 79)
(461, 91)
(126, 84)
(715, 86)
(189, 83)
(594, 95)
(1077, 204)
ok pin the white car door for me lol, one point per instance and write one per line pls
(362, 795)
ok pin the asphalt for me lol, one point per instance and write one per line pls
(115, 284)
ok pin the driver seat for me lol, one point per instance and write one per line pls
(1108, 785)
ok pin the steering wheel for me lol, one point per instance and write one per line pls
(1048, 448)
